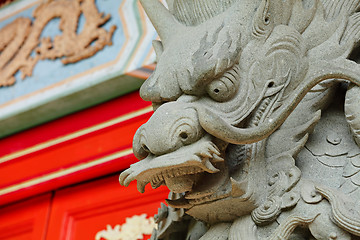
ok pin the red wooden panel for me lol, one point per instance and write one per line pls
(74, 122)
(49, 184)
(81, 211)
(97, 142)
(64, 155)
(26, 220)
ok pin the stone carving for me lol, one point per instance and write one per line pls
(22, 36)
(256, 125)
(133, 229)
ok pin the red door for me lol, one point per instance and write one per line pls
(82, 211)
(26, 220)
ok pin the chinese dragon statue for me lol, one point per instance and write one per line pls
(256, 129)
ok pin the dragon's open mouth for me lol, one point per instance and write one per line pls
(173, 175)
(197, 171)
(178, 170)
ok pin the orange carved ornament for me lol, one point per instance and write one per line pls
(22, 36)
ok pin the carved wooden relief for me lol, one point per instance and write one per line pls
(21, 37)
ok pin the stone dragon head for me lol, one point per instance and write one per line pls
(229, 74)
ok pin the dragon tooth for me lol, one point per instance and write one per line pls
(216, 158)
(183, 172)
(155, 178)
(141, 186)
(208, 167)
(155, 185)
(167, 174)
(171, 173)
(160, 177)
(196, 158)
(214, 149)
(205, 154)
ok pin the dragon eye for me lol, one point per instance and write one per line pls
(225, 87)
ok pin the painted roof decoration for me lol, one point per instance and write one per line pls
(60, 56)
(22, 37)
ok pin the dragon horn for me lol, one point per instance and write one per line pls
(163, 21)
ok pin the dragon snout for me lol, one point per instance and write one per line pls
(172, 126)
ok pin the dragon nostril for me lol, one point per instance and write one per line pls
(184, 135)
(145, 148)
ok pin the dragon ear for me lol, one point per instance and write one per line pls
(163, 21)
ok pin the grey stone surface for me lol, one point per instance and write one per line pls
(257, 120)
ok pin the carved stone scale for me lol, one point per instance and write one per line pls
(257, 119)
